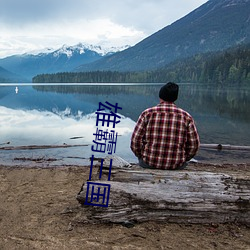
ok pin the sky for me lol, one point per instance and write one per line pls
(32, 25)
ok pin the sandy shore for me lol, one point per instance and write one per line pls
(38, 210)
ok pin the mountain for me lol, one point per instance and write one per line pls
(230, 66)
(63, 59)
(214, 26)
(7, 76)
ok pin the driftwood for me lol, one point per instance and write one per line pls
(29, 147)
(224, 147)
(39, 159)
(170, 196)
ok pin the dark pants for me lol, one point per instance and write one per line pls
(145, 165)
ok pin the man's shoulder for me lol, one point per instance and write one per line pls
(184, 112)
(150, 110)
(172, 108)
(185, 115)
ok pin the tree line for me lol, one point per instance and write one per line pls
(231, 66)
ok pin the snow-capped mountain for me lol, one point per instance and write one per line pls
(81, 48)
(49, 60)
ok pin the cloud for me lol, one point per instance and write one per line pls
(37, 23)
(38, 36)
(22, 12)
(33, 127)
(140, 14)
(23, 127)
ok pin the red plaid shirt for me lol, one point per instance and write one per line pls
(165, 136)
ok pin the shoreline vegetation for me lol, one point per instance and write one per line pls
(229, 66)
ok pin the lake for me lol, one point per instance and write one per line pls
(59, 114)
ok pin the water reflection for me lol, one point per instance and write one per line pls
(51, 114)
(228, 101)
(33, 127)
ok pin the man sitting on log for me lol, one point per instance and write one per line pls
(165, 136)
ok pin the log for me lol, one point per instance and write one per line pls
(29, 147)
(170, 196)
(224, 147)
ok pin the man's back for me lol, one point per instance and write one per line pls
(165, 136)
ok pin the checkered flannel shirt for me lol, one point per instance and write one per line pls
(165, 136)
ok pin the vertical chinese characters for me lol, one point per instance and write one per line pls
(105, 139)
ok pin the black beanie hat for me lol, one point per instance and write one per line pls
(169, 92)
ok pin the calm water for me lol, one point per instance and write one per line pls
(54, 114)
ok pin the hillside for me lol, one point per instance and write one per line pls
(231, 66)
(216, 25)
(7, 76)
(63, 59)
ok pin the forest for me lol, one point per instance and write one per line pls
(231, 66)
